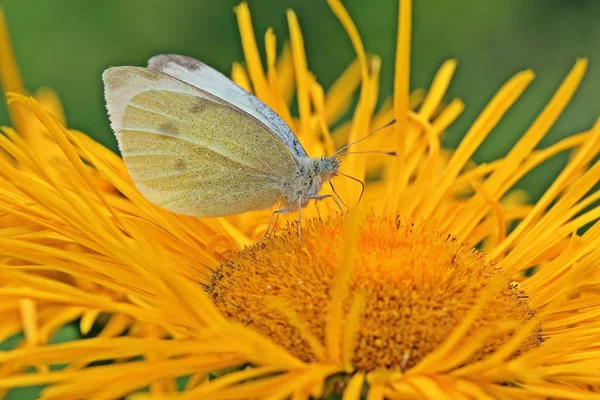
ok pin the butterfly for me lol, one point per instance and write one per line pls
(197, 144)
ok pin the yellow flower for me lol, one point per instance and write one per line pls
(420, 292)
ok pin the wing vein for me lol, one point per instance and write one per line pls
(131, 104)
(198, 143)
(212, 176)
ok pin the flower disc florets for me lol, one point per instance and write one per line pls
(418, 285)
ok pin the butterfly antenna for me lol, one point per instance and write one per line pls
(392, 122)
(362, 184)
(338, 196)
(386, 153)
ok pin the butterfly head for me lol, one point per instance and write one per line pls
(312, 174)
(326, 167)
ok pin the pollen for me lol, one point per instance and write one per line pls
(417, 283)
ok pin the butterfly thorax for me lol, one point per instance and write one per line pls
(311, 175)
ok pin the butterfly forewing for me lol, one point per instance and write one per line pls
(192, 153)
(210, 80)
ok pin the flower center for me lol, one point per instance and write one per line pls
(418, 285)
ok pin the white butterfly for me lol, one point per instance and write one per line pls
(197, 144)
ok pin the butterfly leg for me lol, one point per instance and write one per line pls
(318, 211)
(338, 196)
(299, 217)
(274, 215)
(317, 197)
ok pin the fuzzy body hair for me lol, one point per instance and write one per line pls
(312, 174)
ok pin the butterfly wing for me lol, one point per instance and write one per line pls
(191, 152)
(208, 79)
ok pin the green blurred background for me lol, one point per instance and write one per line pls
(66, 44)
